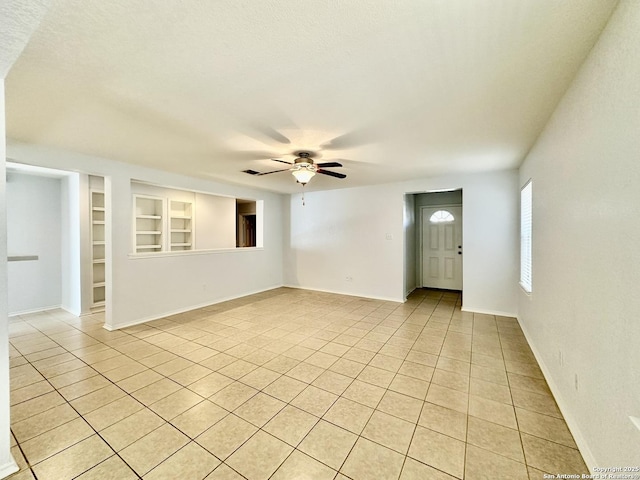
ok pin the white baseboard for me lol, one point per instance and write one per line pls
(151, 318)
(572, 424)
(488, 312)
(8, 468)
(384, 299)
(35, 310)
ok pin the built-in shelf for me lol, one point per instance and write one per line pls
(149, 223)
(180, 225)
(98, 243)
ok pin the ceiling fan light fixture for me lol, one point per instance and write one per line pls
(303, 174)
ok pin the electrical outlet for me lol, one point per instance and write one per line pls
(389, 236)
(349, 279)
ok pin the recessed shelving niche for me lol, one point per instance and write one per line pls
(149, 218)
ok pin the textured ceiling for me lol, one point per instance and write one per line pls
(393, 90)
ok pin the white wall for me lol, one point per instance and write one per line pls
(586, 232)
(215, 221)
(71, 273)
(154, 286)
(409, 223)
(7, 464)
(343, 233)
(34, 228)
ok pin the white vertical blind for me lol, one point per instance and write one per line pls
(525, 236)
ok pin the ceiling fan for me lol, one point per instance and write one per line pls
(303, 168)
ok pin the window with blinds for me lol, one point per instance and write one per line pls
(525, 236)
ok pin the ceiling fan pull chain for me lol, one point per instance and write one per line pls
(303, 195)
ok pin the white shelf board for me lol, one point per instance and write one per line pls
(148, 232)
(153, 217)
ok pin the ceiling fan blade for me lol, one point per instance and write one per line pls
(246, 155)
(281, 161)
(257, 174)
(271, 133)
(275, 171)
(328, 164)
(352, 139)
(331, 174)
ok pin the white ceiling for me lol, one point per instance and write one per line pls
(392, 89)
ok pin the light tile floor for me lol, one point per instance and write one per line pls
(285, 384)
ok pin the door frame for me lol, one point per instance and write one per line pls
(420, 255)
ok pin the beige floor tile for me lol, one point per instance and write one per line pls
(484, 465)
(112, 468)
(372, 461)
(349, 415)
(416, 370)
(285, 388)
(489, 374)
(455, 381)
(444, 420)
(173, 366)
(74, 460)
(415, 470)
(410, 386)
(125, 371)
(35, 406)
(422, 358)
(72, 376)
(402, 406)
(491, 391)
(496, 438)
(226, 436)
(530, 384)
(173, 405)
(232, 396)
(386, 362)
(439, 451)
(281, 364)
(260, 456)
(190, 374)
(301, 466)
(158, 359)
(333, 382)
(364, 393)
(190, 462)
(376, 376)
(328, 443)
(259, 409)
(322, 360)
(449, 398)
(97, 399)
(83, 387)
(260, 378)
(153, 448)
(43, 422)
(139, 380)
(237, 369)
(291, 425)
(224, 472)
(314, 400)
(347, 367)
(56, 440)
(211, 384)
(534, 402)
(543, 426)
(390, 431)
(305, 372)
(199, 418)
(19, 395)
(492, 411)
(131, 429)
(552, 457)
(358, 355)
(113, 412)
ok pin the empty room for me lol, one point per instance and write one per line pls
(319, 240)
